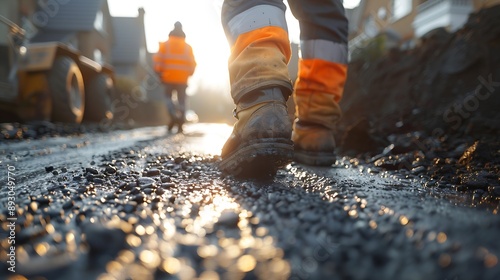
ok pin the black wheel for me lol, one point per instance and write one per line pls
(98, 99)
(67, 91)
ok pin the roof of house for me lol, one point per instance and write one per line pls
(69, 15)
(129, 38)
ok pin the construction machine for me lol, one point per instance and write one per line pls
(51, 81)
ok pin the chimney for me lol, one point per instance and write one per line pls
(141, 13)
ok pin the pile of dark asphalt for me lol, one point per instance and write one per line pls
(430, 110)
(143, 212)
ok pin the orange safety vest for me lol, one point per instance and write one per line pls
(175, 61)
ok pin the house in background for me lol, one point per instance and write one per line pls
(371, 18)
(84, 25)
(133, 67)
(404, 21)
(19, 12)
(129, 54)
(451, 14)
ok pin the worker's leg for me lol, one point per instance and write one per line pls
(260, 85)
(181, 108)
(172, 111)
(321, 78)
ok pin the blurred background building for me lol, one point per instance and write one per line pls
(403, 22)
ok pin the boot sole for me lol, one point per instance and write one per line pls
(314, 158)
(259, 159)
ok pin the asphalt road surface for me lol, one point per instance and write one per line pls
(144, 204)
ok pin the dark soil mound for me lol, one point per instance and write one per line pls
(448, 86)
(432, 111)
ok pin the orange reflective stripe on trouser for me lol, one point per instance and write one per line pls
(260, 50)
(317, 75)
(259, 59)
(270, 36)
(323, 68)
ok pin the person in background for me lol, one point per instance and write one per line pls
(262, 140)
(175, 63)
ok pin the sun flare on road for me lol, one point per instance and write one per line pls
(206, 139)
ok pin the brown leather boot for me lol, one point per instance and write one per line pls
(260, 143)
(312, 135)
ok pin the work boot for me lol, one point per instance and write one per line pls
(260, 143)
(312, 135)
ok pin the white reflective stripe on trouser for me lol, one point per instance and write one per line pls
(255, 18)
(325, 50)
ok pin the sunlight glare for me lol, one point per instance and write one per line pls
(214, 137)
(349, 4)
(201, 22)
(204, 32)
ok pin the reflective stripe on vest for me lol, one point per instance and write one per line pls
(255, 18)
(325, 50)
(166, 62)
(169, 55)
(170, 66)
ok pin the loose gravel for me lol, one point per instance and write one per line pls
(152, 211)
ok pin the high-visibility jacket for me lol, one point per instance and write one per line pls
(175, 61)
